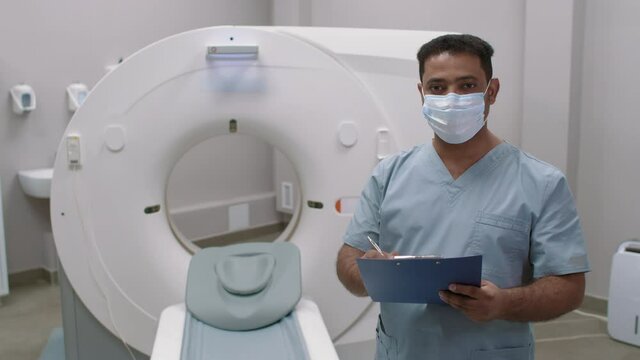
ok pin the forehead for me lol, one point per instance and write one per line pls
(449, 66)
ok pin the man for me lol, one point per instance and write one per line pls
(468, 193)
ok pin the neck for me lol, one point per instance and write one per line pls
(459, 157)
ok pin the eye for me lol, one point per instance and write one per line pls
(436, 89)
(469, 86)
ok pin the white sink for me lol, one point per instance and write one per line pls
(36, 183)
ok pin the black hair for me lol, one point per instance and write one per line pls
(458, 44)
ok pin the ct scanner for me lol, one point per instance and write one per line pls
(334, 100)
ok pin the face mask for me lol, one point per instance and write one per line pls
(455, 118)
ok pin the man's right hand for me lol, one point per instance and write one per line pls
(347, 268)
(374, 254)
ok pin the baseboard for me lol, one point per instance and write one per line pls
(202, 221)
(240, 236)
(32, 276)
(594, 305)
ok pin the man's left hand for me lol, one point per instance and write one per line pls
(479, 304)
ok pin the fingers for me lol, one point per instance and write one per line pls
(460, 302)
(486, 283)
(373, 254)
(461, 296)
(477, 303)
(471, 291)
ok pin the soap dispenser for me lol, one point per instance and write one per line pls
(76, 93)
(24, 98)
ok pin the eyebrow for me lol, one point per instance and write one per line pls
(462, 78)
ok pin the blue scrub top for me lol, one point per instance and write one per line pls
(510, 207)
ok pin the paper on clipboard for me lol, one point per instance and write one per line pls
(417, 280)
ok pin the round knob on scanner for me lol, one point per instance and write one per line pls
(348, 133)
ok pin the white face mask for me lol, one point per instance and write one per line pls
(455, 118)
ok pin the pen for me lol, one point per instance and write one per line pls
(375, 246)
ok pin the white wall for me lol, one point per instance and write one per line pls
(500, 22)
(224, 171)
(50, 44)
(220, 172)
(4, 276)
(552, 83)
(221, 169)
(608, 173)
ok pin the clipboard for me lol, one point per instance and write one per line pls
(417, 280)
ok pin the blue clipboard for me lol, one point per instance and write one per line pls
(417, 280)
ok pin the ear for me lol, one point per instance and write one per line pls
(492, 91)
(420, 92)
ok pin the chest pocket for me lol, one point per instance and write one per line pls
(503, 242)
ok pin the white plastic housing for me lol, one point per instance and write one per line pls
(76, 94)
(24, 98)
(126, 264)
(624, 294)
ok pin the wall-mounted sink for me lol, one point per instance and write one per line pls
(36, 183)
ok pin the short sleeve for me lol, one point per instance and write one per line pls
(557, 242)
(366, 218)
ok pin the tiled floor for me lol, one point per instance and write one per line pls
(29, 313)
(577, 336)
(27, 317)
